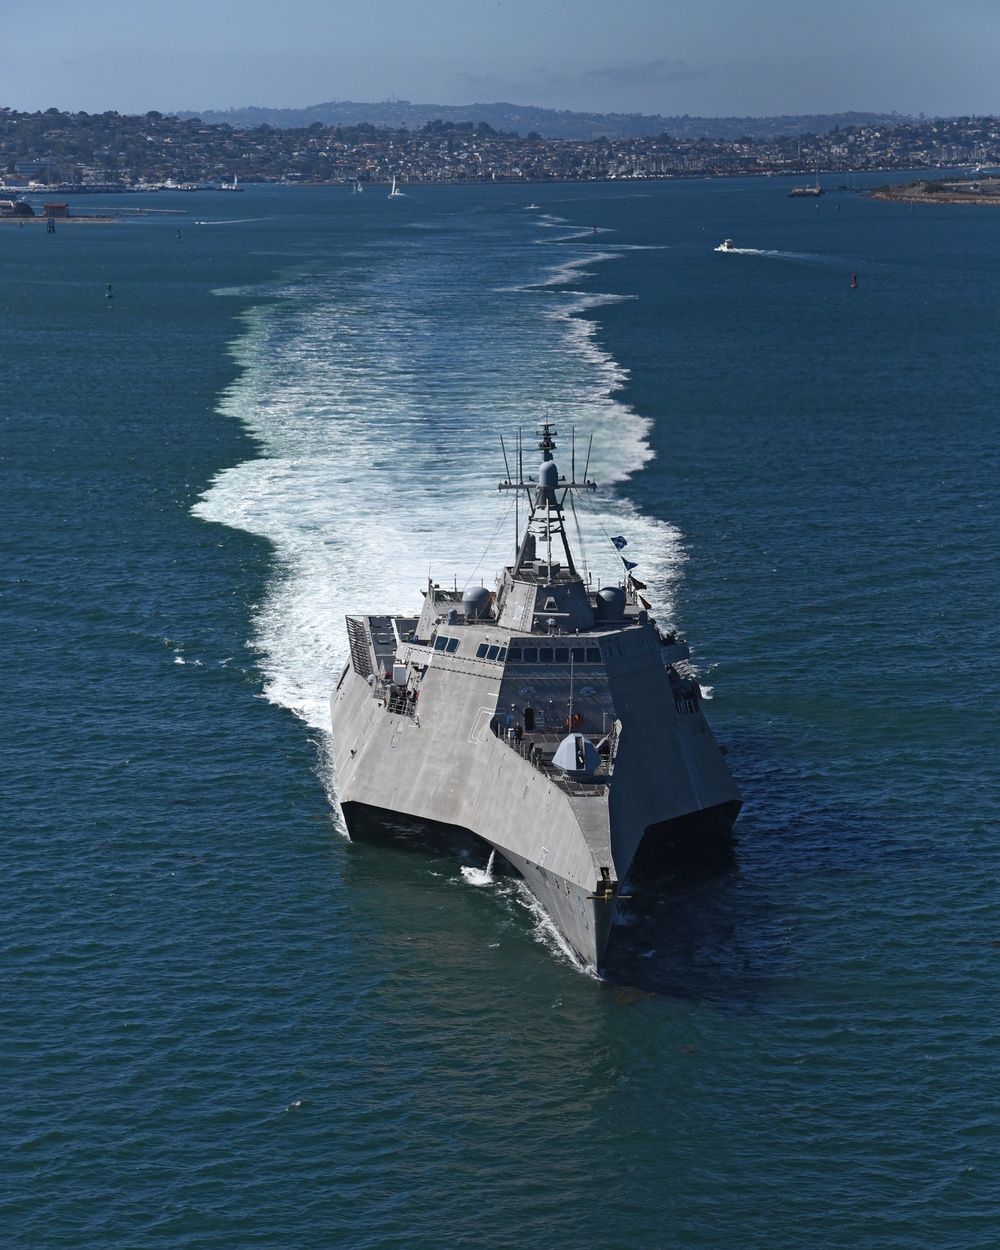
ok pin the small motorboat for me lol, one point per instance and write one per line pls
(726, 246)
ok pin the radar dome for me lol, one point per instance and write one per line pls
(476, 602)
(548, 480)
(610, 603)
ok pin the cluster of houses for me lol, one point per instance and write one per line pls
(111, 151)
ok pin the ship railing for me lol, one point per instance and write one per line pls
(357, 637)
(396, 699)
(687, 702)
(686, 692)
(530, 750)
(607, 746)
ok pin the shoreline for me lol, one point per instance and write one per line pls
(929, 191)
(378, 184)
(63, 221)
(936, 192)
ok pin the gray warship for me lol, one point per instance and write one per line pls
(556, 722)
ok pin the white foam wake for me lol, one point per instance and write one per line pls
(377, 388)
(480, 876)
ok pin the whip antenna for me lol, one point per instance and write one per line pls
(590, 447)
(505, 464)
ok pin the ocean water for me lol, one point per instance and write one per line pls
(224, 1024)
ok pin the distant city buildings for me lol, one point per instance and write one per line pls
(55, 149)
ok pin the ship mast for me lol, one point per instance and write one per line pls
(546, 496)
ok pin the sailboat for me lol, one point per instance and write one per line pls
(394, 193)
(231, 186)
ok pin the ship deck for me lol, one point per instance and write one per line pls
(539, 748)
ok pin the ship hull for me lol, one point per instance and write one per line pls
(581, 922)
(698, 840)
(474, 781)
(572, 844)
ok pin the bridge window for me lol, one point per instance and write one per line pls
(492, 653)
(562, 655)
(577, 655)
(515, 655)
(531, 655)
(503, 654)
(544, 655)
(593, 655)
(440, 642)
(452, 644)
(481, 651)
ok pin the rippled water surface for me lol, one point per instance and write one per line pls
(227, 1026)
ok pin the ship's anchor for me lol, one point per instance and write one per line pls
(606, 890)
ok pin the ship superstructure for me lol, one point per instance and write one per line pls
(556, 722)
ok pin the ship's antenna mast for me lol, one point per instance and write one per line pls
(503, 448)
(545, 498)
(520, 469)
(517, 497)
(546, 447)
(517, 527)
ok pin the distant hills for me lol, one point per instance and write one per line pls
(548, 123)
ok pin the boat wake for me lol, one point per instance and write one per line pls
(547, 934)
(377, 387)
(802, 257)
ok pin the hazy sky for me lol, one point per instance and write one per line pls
(708, 57)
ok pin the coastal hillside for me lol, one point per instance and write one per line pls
(546, 123)
(110, 150)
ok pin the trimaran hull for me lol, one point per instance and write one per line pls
(556, 723)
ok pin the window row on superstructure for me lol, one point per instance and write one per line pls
(519, 653)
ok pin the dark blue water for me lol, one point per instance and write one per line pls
(226, 1026)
